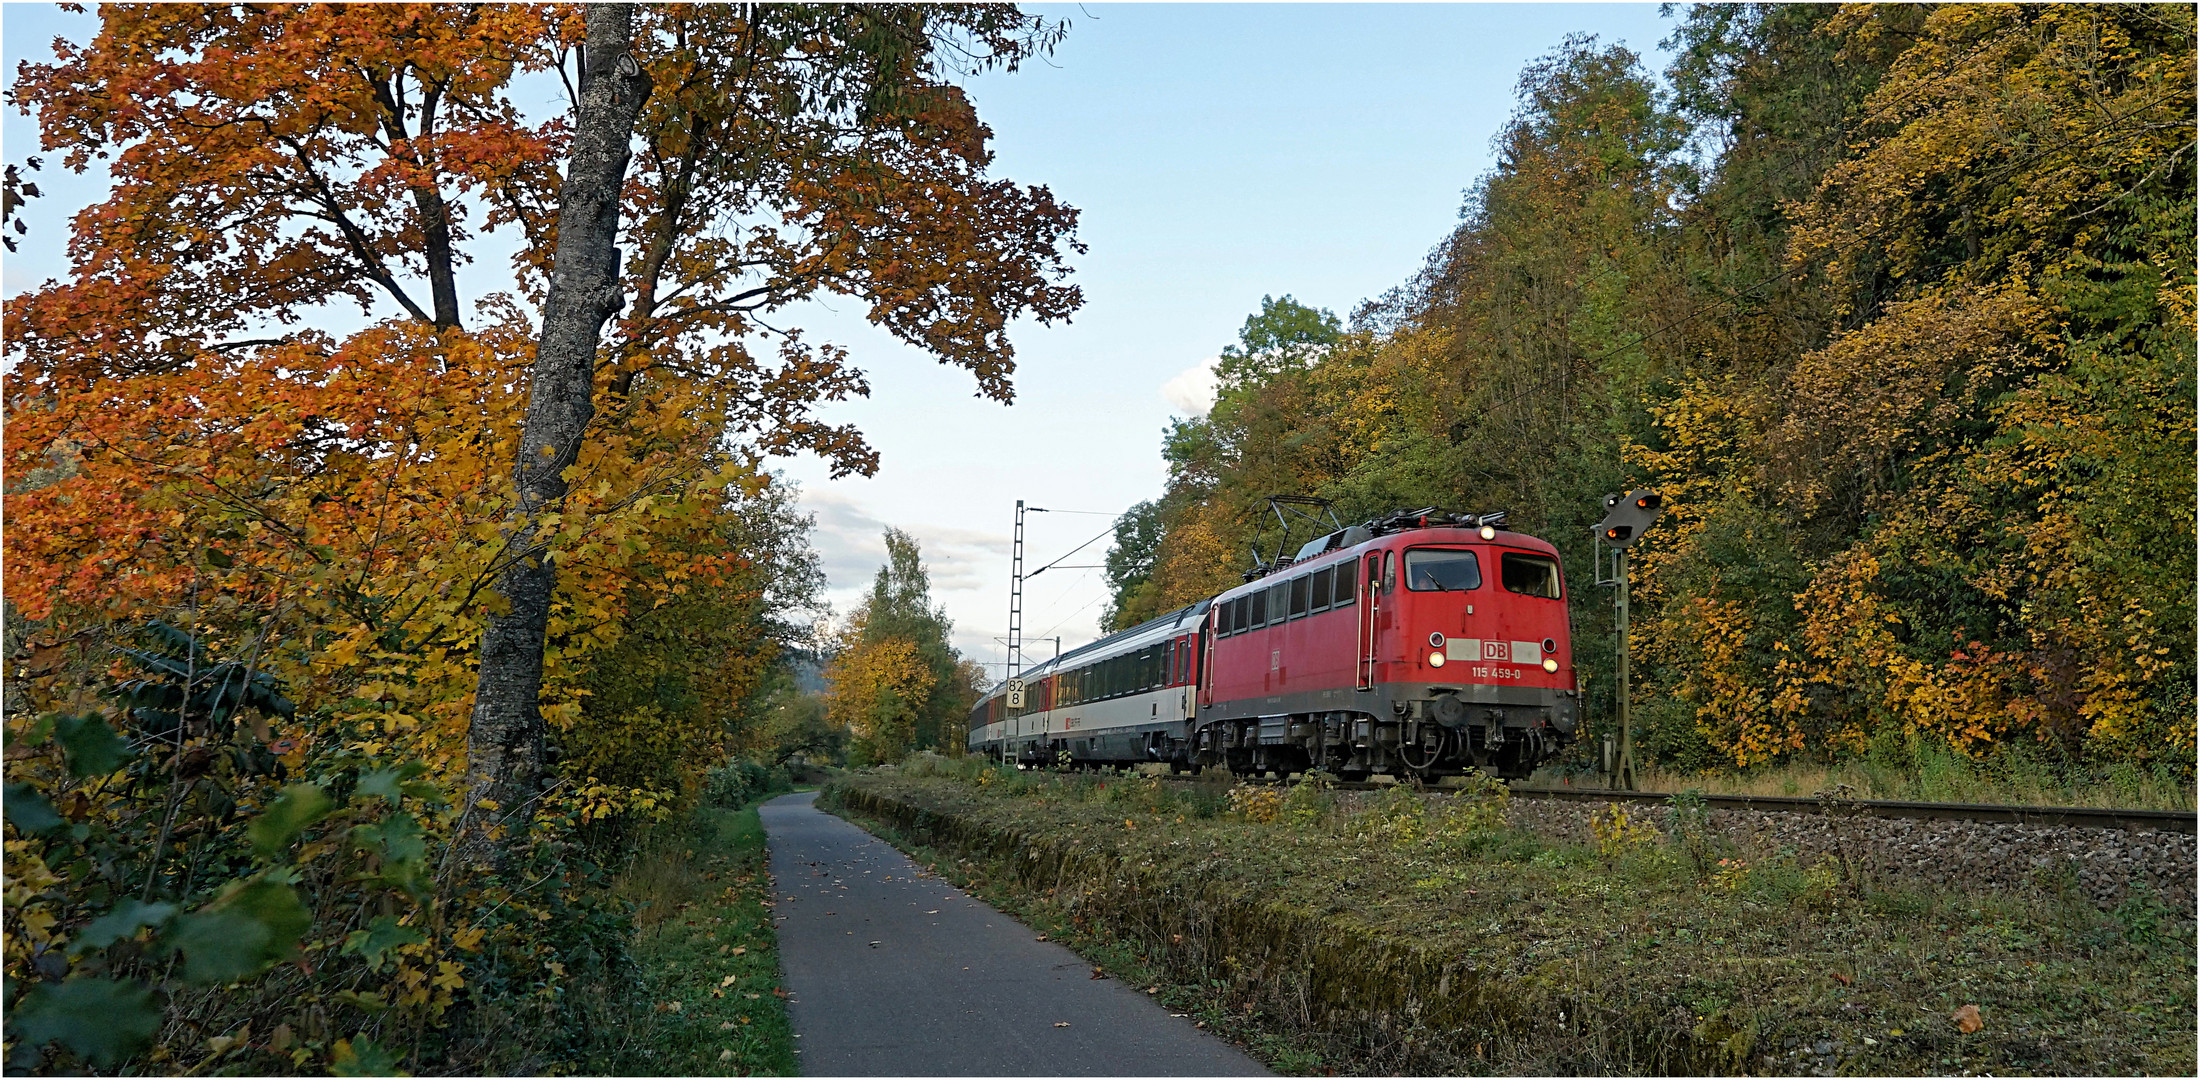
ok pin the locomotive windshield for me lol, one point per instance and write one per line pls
(1529, 575)
(1429, 570)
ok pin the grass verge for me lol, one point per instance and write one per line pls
(1425, 936)
(708, 956)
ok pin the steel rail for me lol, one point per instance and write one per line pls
(2079, 817)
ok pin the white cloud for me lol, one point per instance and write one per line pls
(1192, 390)
(851, 546)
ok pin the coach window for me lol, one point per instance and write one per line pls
(1298, 595)
(1432, 570)
(1279, 601)
(1529, 575)
(1317, 590)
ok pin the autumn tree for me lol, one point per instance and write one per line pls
(202, 466)
(895, 682)
(1193, 540)
(1895, 305)
(272, 161)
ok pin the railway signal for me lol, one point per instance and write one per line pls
(1626, 518)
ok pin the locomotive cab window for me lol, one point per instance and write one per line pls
(1529, 575)
(1431, 570)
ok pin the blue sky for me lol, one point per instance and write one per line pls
(1217, 153)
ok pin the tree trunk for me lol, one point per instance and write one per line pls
(504, 741)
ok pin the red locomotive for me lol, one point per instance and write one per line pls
(1421, 644)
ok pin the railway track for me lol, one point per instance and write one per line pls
(2083, 817)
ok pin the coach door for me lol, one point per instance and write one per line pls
(1208, 630)
(1370, 600)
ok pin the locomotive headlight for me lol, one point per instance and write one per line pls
(1436, 659)
(1550, 665)
(1489, 533)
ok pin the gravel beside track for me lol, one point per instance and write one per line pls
(2109, 854)
(2106, 863)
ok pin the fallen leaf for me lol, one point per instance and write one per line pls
(740, 950)
(725, 1055)
(1061, 1023)
(1842, 979)
(729, 980)
(1042, 937)
(1153, 989)
(1967, 1019)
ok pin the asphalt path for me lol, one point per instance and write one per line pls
(891, 971)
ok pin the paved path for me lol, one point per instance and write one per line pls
(894, 972)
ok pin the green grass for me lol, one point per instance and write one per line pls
(1645, 957)
(712, 1004)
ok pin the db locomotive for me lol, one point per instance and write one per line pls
(1422, 644)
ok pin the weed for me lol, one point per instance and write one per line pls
(1309, 800)
(1618, 834)
(1255, 803)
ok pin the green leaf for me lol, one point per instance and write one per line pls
(390, 783)
(220, 558)
(103, 1020)
(402, 847)
(362, 1057)
(93, 748)
(380, 936)
(125, 920)
(29, 811)
(298, 806)
(397, 839)
(250, 927)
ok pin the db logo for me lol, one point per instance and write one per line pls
(1496, 650)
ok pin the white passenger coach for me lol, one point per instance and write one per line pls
(1117, 700)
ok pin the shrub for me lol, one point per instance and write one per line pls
(737, 783)
(1617, 834)
(1255, 803)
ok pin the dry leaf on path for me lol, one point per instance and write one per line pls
(1967, 1019)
